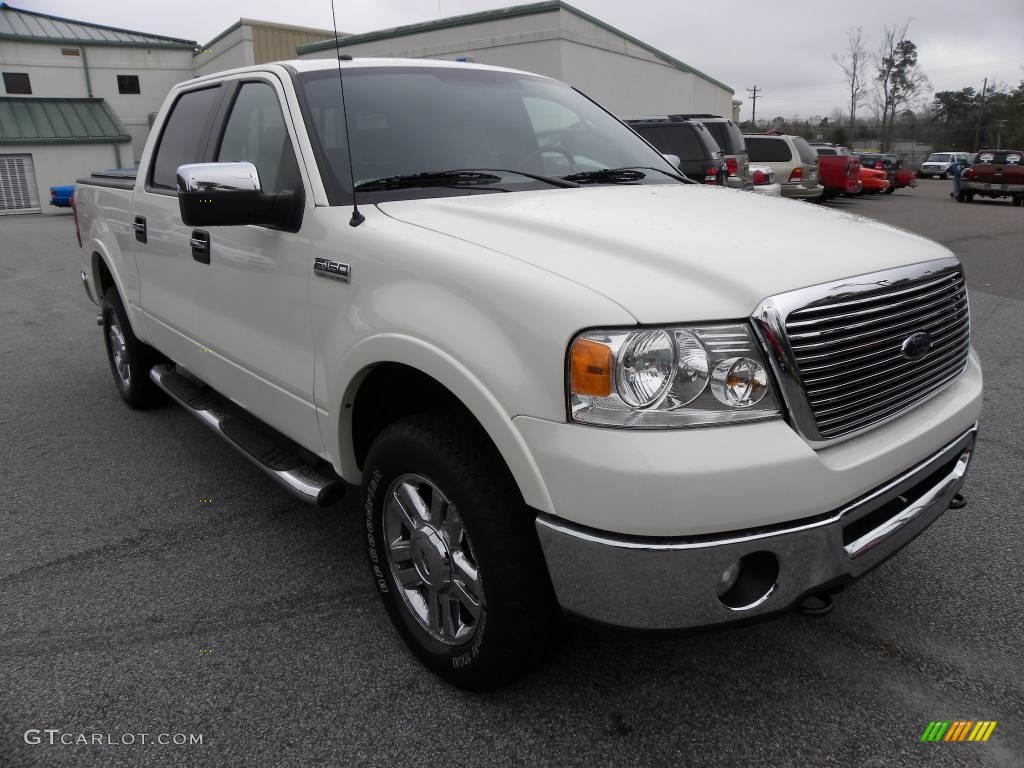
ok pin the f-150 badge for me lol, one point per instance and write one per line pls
(332, 269)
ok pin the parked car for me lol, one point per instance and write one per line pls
(794, 162)
(698, 153)
(994, 173)
(838, 170)
(873, 181)
(60, 196)
(937, 164)
(762, 177)
(613, 392)
(888, 164)
(730, 142)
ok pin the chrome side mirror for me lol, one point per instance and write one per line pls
(672, 159)
(219, 177)
(230, 194)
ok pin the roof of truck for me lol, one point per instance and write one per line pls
(316, 65)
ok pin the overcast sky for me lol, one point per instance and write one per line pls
(782, 46)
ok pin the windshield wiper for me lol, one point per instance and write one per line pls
(619, 175)
(467, 177)
(610, 175)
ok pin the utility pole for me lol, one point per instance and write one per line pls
(981, 111)
(753, 98)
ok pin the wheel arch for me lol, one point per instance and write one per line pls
(380, 366)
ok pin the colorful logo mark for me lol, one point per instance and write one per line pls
(958, 730)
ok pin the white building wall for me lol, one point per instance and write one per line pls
(53, 74)
(530, 43)
(235, 49)
(58, 164)
(624, 76)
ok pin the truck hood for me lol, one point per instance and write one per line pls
(672, 253)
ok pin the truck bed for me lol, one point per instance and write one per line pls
(118, 178)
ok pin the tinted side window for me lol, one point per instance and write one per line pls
(826, 151)
(256, 133)
(765, 150)
(184, 136)
(727, 136)
(806, 153)
(674, 140)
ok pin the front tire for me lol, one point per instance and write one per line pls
(130, 359)
(454, 552)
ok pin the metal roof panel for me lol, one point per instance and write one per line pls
(19, 24)
(31, 120)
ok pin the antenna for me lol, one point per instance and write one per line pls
(357, 217)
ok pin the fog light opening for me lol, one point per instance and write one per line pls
(749, 581)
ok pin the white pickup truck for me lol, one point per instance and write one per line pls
(567, 380)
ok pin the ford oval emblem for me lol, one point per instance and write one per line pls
(916, 346)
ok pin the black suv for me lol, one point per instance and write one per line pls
(699, 156)
(730, 142)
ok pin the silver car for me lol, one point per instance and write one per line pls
(794, 161)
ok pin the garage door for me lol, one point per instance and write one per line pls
(18, 191)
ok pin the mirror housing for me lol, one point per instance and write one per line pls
(230, 194)
(673, 159)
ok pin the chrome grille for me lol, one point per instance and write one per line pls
(841, 351)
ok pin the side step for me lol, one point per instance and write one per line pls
(273, 453)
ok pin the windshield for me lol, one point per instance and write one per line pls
(940, 158)
(429, 120)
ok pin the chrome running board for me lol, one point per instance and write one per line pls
(264, 447)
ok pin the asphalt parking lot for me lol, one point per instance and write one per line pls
(152, 581)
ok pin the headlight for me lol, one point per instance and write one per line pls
(669, 377)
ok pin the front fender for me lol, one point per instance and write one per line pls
(457, 378)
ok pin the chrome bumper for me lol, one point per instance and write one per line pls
(994, 188)
(675, 583)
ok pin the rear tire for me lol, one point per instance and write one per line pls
(454, 552)
(130, 359)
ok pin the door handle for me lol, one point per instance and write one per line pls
(140, 228)
(200, 243)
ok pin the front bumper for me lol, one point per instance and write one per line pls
(672, 583)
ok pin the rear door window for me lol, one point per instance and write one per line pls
(681, 140)
(768, 149)
(807, 155)
(184, 137)
(727, 136)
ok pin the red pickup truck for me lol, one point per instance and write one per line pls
(838, 171)
(994, 173)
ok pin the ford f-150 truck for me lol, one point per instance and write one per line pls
(994, 173)
(566, 379)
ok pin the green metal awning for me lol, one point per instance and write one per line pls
(35, 27)
(28, 120)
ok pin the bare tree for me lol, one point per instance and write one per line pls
(854, 63)
(899, 80)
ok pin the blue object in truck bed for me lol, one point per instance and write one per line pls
(61, 196)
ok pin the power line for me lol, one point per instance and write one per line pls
(753, 98)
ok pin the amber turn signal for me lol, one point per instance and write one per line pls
(591, 369)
